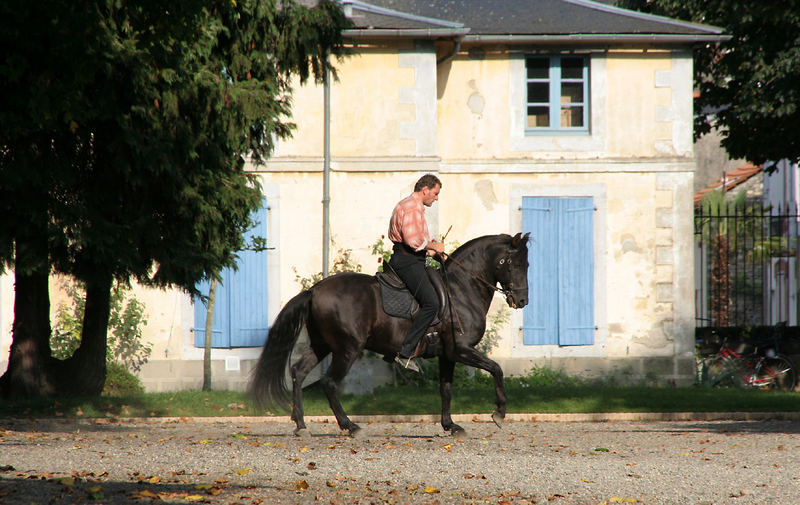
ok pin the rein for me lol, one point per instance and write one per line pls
(504, 291)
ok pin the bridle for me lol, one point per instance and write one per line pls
(505, 291)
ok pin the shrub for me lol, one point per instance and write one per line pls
(125, 322)
(121, 382)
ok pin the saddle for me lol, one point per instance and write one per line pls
(398, 301)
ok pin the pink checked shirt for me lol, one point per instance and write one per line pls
(408, 223)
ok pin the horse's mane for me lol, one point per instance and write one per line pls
(475, 244)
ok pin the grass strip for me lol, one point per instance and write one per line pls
(410, 400)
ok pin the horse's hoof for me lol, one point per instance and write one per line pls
(498, 418)
(302, 433)
(354, 431)
(456, 430)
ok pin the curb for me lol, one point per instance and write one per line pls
(592, 417)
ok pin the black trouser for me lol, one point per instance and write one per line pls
(411, 268)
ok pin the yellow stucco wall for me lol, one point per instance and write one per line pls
(366, 114)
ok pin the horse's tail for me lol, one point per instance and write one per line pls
(267, 383)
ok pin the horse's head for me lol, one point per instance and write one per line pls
(512, 271)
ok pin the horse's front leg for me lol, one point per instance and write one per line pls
(446, 368)
(473, 358)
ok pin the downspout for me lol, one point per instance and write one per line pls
(449, 56)
(326, 172)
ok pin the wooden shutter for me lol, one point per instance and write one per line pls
(576, 272)
(220, 334)
(540, 317)
(249, 317)
(240, 311)
(561, 273)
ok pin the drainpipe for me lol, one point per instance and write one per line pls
(449, 56)
(326, 172)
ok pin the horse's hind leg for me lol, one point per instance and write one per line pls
(300, 371)
(340, 364)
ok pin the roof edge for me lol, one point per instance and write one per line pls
(414, 33)
(374, 9)
(597, 37)
(611, 9)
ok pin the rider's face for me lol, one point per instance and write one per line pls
(430, 195)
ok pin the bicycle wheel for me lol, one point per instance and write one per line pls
(776, 373)
(723, 372)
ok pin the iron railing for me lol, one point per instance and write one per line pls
(746, 266)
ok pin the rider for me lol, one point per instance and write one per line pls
(412, 242)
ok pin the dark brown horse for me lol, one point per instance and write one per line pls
(343, 315)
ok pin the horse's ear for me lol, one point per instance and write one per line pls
(519, 238)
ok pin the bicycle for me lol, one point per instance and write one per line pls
(766, 370)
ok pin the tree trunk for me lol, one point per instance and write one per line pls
(28, 370)
(84, 374)
(212, 292)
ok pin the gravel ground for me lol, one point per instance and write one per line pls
(254, 463)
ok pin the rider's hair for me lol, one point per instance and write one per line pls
(429, 181)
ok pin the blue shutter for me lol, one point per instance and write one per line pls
(561, 273)
(220, 333)
(576, 272)
(249, 317)
(240, 310)
(540, 316)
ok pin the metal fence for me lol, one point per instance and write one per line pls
(746, 261)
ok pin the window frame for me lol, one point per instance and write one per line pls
(554, 104)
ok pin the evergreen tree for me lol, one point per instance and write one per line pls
(124, 128)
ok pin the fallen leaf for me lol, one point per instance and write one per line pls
(145, 493)
(95, 493)
(301, 485)
(431, 490)
(587, 480)
(617, 499)
(243, 471)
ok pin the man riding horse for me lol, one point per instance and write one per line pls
(408, 230)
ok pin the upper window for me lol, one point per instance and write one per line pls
(557, 94)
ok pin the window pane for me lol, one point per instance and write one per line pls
(571, 117)
(572, 68)
(538, 68)
(538, 117)
(571, 92)
(538, 92)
